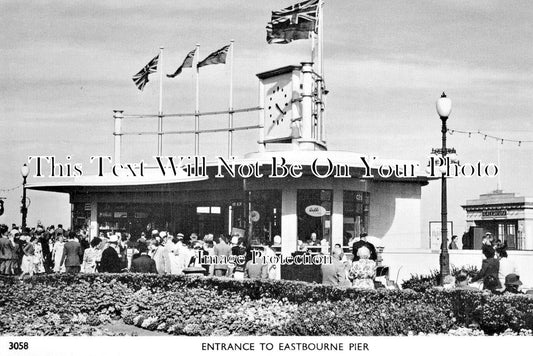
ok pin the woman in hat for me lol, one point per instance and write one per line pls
(110, 261)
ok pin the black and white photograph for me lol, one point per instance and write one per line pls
(284, 176)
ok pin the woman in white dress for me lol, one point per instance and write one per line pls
(27, 266)
(90, 256)
(57, 254)
(38, 257)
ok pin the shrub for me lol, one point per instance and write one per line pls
(220, 306)
(421, 283)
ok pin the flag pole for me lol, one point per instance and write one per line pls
(230, 111)
(320, 36)
(160, 121)
(321, 89)
(313, 47)
(197, 105)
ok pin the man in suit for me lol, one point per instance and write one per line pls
(110, 261)
(334, 273)
(363, 242)
(143, 263)
(72, 254)
(7, 252)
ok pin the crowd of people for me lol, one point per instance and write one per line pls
(498, 274)
(25, 251)
(56, 250)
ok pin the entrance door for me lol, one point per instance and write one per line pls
(507, 232)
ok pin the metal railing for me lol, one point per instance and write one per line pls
(230, 128)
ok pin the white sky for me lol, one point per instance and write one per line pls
(67, 64)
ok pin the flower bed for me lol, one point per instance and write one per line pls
(421, 283)
(66, 304)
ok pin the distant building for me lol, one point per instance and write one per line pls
(507, 216)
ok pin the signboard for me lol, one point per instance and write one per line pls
(315, 211)
(435, 234)
(254, 216)
(500, 213)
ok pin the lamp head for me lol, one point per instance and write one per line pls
(24, 170)
(444, 106)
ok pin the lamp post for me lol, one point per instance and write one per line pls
(24, 171)
(444, 108)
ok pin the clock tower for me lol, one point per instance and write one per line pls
(292, 108)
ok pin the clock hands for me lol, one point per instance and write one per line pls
(281, 111)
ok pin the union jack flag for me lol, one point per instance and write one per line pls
(140, 79)
(295, 22)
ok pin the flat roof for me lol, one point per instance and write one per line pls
(497, 199)
(278, 71)
(154, 179)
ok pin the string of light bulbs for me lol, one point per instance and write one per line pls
(10, 189)
(485, 136)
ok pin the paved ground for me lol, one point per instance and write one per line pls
(120, 327)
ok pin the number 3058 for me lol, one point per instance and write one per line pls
(18, 345)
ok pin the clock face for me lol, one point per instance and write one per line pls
(278, 105)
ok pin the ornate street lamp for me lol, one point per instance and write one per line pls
(24, 171)
(444, 108)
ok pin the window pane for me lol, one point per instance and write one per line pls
(356, 211)
(202, 210)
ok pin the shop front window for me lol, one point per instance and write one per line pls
(81, 215)
(314, 215)
(265, 215)
(132, 218)
(356, 209)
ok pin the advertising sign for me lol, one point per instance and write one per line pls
(315, 211)
(435, 234)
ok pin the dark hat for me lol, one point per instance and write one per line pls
(142, 247)
(512, 280)
(461, 276)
